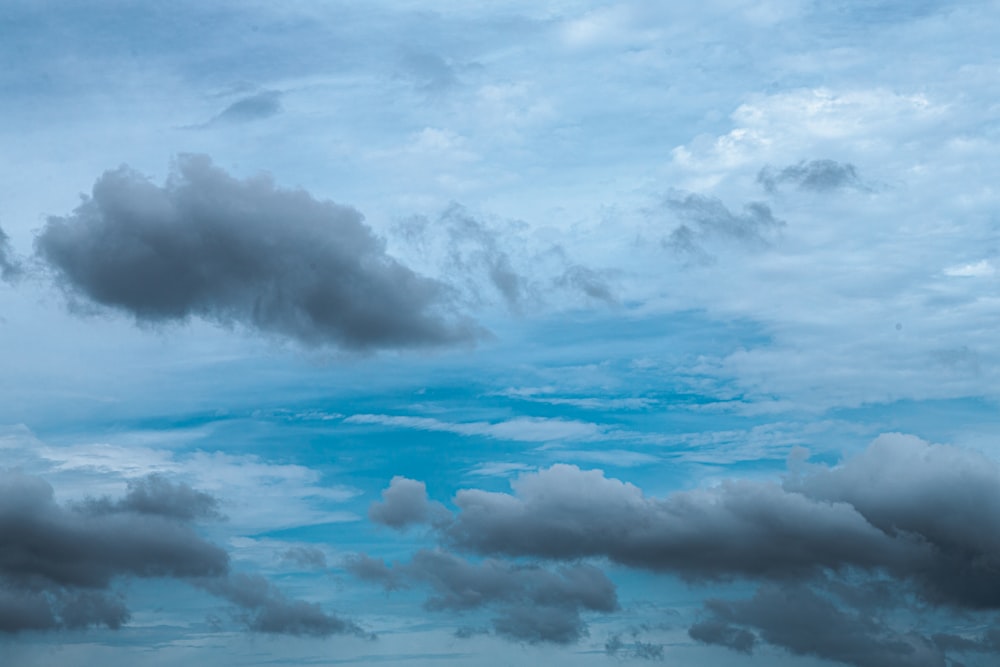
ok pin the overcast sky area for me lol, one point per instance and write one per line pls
(420, 333)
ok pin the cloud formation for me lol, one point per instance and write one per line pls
(253, 107)
(814, 175)
(247, 252)
(837, 551)
(59, 564)
(707, 219)
(534, 604)
(261, 607)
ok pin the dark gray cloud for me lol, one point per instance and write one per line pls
(707, 219)
(263, 608)
(846, 554)
(59, 564)
(10, 266)
(260, 105)
(245, 252)
(533, 604)
(155, 494)
(736, 529)
(799, 619)
(814, 175)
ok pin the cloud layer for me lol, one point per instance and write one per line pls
(247, 252)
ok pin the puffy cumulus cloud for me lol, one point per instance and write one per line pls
(533, 604)
(247, 252)
(845, 555)
(59, 564)
(404, 503)
(943, 497)
(815, 175)
(737, 528)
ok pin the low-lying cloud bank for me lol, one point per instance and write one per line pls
(60, 564)
(843, 555)
(244, 252)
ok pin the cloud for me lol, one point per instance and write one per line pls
(592, 283)
(59, 564)
(519, 429)
(842, 553)
(804, 622)
(736, 529)
(616, 647)
(306, 557)
(263, 608)
(815, 175)
(707, 219)
(260, 105)
(10, 266)
(404, 503)
(534, 604)
(156, 495)
(245, 252)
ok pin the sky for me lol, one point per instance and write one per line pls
(569, 333)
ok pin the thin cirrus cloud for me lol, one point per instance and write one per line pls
(246, 252)
(835, 554)
(60, 564)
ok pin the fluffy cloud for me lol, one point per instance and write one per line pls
(707, 219)
(245, 252)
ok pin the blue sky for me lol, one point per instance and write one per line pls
(574, 333)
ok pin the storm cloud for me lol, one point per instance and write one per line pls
(533, 604)
(244, 252)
